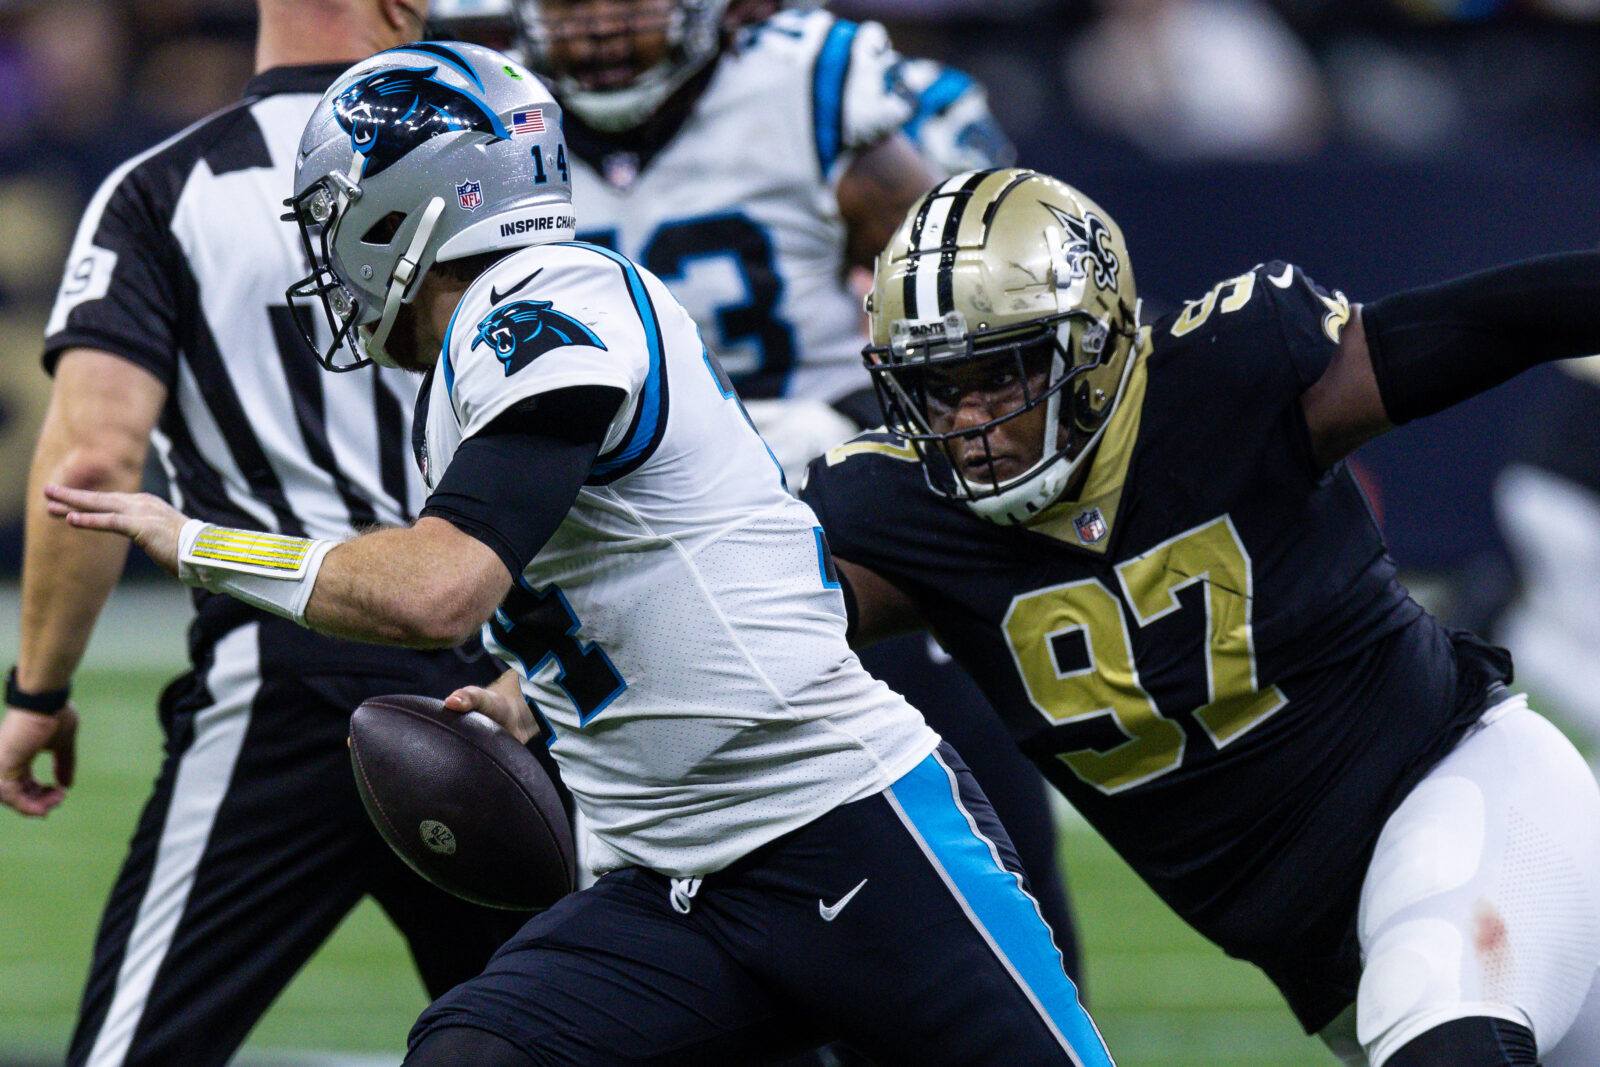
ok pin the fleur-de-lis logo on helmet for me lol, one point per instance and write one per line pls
(1088, 247)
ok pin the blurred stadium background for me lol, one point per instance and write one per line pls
(1378, 143)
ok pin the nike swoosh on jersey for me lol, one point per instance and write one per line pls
(495, 298)
(830, 913)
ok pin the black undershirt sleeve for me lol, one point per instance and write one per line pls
(511, 484)
(1439, 345)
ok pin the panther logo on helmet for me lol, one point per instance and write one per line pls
(393, 111)
(522, 332)
(1088, 245)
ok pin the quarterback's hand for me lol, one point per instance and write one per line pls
(503, 702)
(146, 520)
(23, 736)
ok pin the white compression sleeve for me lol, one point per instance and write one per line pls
(269, 571)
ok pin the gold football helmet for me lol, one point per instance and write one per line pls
(1003, 278)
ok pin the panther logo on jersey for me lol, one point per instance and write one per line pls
(522, 332)
(1088, 246)
(394, 111)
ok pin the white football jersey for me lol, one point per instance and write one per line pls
(737, 212)
(680, 635)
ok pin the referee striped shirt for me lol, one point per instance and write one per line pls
(180, 266)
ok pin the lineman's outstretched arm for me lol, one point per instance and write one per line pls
(95, 435)
(1420, 351)
(878, 610)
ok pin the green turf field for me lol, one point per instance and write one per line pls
(1162, 996)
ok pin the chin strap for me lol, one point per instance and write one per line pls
(1028, 498)
(405, 272)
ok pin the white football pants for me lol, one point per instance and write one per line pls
(1483, 897)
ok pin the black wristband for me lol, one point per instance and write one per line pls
(49, 702)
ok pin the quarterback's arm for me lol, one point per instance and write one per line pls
(95, 435)
(878, 610)
(876, 191)
(506, 490)
(1420, 351)
(428, 585)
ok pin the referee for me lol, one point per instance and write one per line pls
(170, 329)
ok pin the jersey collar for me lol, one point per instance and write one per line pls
(605, 151)
(1089, 522)
(312, 78)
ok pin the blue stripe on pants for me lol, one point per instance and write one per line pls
(928, 800)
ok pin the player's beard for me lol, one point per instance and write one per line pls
(409, 343)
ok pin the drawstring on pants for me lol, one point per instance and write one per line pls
(682, 895)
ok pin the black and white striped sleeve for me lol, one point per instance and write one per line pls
(120, 291)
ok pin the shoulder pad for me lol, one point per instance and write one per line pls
(1266, 287)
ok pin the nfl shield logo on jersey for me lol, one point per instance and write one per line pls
(1091, 526)
(621, 170)
(470, 195)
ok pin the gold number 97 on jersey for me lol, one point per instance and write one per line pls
(1089, 615)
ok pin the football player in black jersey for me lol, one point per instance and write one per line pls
(1144, 545)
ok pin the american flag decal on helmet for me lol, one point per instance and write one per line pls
(527, 122)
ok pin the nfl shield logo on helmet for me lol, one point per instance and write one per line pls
(470, 195)
(1091, 526)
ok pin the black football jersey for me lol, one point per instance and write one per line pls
(1208, 651)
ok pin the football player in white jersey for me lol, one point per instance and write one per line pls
(749, 168)
(752, 158)
(790, 854)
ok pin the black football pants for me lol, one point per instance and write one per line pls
(953, 705)
(898, 924)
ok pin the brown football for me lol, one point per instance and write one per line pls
(462, 802)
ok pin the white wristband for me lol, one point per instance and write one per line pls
(270, 571)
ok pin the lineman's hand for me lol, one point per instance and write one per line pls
(23, 736)
(502, 701)
(146, 520)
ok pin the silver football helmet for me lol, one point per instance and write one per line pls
(613, 63)
(1002, 276)
(425, 153)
